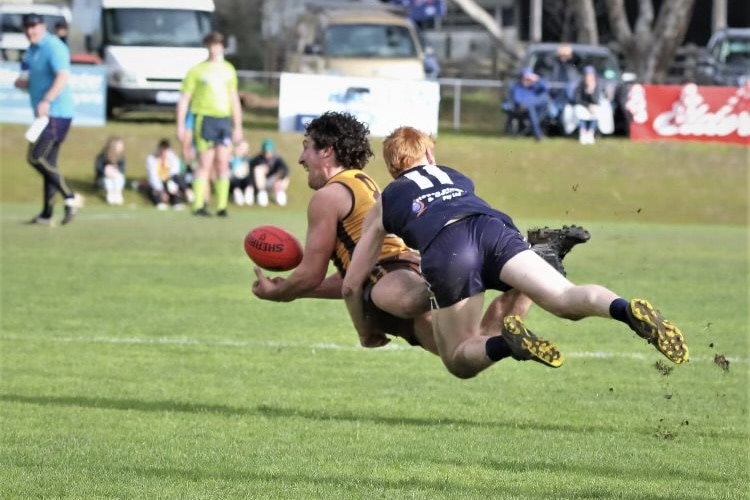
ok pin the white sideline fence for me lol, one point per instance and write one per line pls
(449, 87)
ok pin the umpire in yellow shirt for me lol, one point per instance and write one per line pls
(209, 92)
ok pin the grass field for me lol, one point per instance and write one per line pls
(135, 362)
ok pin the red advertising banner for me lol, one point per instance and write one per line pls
(689, 113)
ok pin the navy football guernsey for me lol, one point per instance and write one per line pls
(422, 200)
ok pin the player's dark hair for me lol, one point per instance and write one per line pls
(213, 38)
(348, 137)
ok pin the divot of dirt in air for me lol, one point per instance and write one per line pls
(722, 362)
(663, 368)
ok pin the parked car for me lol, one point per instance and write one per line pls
(351, 40)
(726, 61)
(541, 56)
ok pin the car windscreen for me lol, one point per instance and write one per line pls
(735, 51)
(156, 27)
(369, 41)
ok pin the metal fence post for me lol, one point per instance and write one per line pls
(456, 104)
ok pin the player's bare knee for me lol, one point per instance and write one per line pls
(461, 372)
(457, 368)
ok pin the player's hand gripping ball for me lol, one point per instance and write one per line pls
(273, 248)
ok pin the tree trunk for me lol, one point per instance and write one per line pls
(535, 28)
(719, 15)
(586, 22)
(650, 47)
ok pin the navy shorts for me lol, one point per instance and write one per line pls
(466, 257)
(212, 131)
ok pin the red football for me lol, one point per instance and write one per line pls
(273, 248)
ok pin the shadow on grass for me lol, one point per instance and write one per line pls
(326, 415)
(522, 465)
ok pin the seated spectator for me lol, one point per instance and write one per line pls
(166, 184)
(527, 101)
(109, 170)
(240, 182)
(587, 99)
(565, 75)
(269, 169)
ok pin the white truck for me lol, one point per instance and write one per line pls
(147, 46)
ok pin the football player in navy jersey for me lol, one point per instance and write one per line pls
(335, 150)
(467, 247)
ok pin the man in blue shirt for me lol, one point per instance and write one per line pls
(48, 63)
(529, 98)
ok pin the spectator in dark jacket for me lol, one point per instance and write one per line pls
(565, 75)
(528, 100)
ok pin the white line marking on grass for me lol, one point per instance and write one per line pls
(331, 346)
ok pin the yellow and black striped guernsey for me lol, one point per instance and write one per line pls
(364, 192)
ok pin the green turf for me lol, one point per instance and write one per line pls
(136, 363)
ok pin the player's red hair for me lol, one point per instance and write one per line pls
(405, 148)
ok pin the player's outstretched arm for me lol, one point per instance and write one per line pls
(322, 218)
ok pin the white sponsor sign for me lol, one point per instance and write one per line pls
(381, 103)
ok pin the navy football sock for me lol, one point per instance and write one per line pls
(618, 309)
(497, 348)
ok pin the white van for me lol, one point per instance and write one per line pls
(13, 41)
(147, 46)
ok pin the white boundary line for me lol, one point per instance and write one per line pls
(332, 346)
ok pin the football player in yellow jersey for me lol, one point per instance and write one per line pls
(335, 150)
(209, 92)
